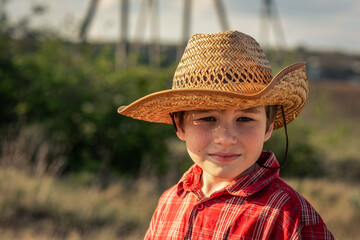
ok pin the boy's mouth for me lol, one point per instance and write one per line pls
(224, 157)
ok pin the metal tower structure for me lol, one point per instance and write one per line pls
(149, 12)
(148, 7)
(87, 21)
(269, 17)
(186, 21)
(121, 52)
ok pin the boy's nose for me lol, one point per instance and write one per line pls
(224, 135)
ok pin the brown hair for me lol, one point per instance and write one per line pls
(271, 112)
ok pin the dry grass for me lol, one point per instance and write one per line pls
(333, 111)
(47, 207)
(51, 208)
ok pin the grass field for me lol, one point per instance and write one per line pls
(334, 110)
(49, 208)
(44, 206)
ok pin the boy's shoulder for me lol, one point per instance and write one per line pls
(293, 202)
(294, 197)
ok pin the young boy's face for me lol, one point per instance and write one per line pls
(225, 143)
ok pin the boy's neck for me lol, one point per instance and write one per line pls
(210, 184)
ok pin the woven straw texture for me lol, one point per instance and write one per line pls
(228, 61)
(226, 70)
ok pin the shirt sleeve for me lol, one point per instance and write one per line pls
(311, 225)
(151, 230)
(302, 221)
(317, 231)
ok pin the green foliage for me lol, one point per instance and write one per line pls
(303, 159)
(73, 92)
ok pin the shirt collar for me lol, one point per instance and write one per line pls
(190, 181)
(252, 183)
(243, 186)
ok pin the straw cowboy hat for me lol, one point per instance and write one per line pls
(225, 70)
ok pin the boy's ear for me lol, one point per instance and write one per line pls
(269, 132)
(180, 132)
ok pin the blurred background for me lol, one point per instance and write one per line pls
(72, 168)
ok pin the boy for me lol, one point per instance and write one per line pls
(225, 104)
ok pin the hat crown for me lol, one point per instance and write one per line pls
(229, 61)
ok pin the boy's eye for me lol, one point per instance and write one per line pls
(244, 119)
(208, 119)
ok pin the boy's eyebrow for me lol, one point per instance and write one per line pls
(204, 111)
(250, 110)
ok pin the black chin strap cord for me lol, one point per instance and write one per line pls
(287, 144)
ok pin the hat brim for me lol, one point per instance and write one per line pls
(288, 88)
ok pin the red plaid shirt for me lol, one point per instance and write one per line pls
(255, 206)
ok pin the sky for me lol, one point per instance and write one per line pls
(314, 24)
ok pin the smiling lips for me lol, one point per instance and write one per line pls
(224, 157)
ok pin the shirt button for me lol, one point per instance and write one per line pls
(200, 207)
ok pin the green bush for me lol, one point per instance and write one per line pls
(73, 92)
(303, 159)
